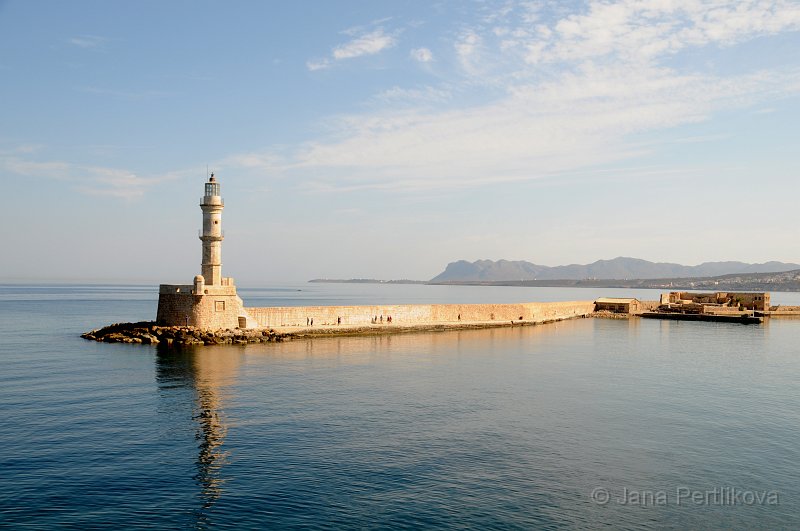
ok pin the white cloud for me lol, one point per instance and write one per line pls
(251, 160)
(637, 30)
(423, 55)
(559, 94)
(468, 50)
(27, 148)
(87, 41)
(126, 94)
(357, 30)
(91, 180)
(420, 95)
(318, 65)
(367, 44)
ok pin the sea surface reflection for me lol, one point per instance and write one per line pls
(207, 375)
(500, 427)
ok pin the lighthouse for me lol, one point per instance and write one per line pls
(211, 234)
(211, 301)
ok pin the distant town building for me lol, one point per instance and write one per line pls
(720, 301)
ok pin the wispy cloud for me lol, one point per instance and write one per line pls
(417, 95)
(131, 95)
(701, 138)
(90, 180)
(547, 92)
(637, 31)
(423, 55)
(468, 50)
(24, 149)
(252, 160)
(354, 31)
(320, 64)
(370, 43)
(87, 41)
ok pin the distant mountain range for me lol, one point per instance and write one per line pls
(617, 268)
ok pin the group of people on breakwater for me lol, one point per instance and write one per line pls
(375, 320)
(310, 321)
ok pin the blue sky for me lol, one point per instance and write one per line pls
(386, 139)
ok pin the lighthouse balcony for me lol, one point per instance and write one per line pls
(211, 237)
(212, 200)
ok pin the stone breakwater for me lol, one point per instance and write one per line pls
(148, 333)
(415, 315)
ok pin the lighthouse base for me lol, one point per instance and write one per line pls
(211, 308)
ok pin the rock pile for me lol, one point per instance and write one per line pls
(148, 333)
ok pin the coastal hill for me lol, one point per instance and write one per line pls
(782, 281)
(778, 281)
(617, 268)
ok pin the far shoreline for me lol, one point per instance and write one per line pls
(675, 284)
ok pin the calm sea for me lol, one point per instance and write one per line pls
(581, 424)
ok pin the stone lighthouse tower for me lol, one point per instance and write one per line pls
(212, 236)
(211, 301)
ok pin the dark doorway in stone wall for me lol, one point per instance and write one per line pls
(242, 322)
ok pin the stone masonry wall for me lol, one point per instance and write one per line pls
(410, 314)
(179, 306)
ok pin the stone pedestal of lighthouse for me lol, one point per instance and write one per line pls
(210, 302)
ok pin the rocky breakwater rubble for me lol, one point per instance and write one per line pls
(148, 333)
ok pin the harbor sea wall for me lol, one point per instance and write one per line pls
(414, 314)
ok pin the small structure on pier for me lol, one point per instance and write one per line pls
(618, 305)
